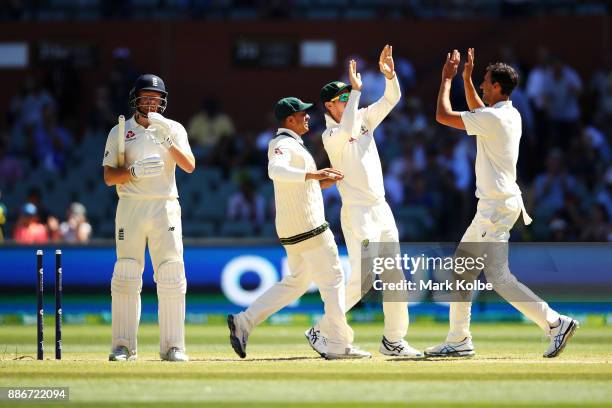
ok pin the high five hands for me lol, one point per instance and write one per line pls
(385, 62)
(354, 76)
(450, 66)
(468, 67)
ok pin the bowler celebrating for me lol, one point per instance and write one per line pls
(497, 128)
(148, 213)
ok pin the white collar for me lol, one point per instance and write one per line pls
(329, 121)
(502, 103)
(290, 133)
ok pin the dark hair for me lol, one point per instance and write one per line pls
(504, 75)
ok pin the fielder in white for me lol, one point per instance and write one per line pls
(148, 214)
(365, 216)
(312, 254)
(497, 128)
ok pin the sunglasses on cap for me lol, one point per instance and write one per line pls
(342, 97)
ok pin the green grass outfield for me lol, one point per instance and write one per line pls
(282, 371)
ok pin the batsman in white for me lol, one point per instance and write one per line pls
(365, 216)
(148, 213)
(497, 128)
(312, 254)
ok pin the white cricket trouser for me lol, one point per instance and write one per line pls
(492, 223)
(155, 223)
(375, 224)
(315, 259)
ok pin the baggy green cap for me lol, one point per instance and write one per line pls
(288, 106)
(332, 89)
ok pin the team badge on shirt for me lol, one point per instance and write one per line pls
(277, 151)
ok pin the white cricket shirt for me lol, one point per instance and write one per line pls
(498, 135)
(299, 202)
(139, 144)
(351, 147)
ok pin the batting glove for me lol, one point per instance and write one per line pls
(148, 167)
(162, 130)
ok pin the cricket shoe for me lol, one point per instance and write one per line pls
(399, 348)
(317, 341)
(122, 353)
(463, 348)
(560, 335)
(351, 352)
(238, 335)
(174, 354)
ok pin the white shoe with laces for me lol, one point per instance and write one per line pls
(317, 341)
(560, 335)
(399, 348)
(463, 348)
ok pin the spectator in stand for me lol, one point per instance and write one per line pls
(528, 165)
(3, 215)
(562, 88)
(246, 204)
(598, 228)
(264, 137)
(604, 195)
(536, 92)
(102, 116)
(603, 115)
(27, 108)
(122, 77)
(52, 141)
(29, 229)
(210, 124)
(550, 188)
(64, 84)
(76, 229)
(558, 230)
(10, 168)
(407, 121)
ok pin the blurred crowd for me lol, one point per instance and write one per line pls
(284, 9)
(564, 169)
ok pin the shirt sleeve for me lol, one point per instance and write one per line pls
(279, 164)
(378, 111)
(182, 140)
(481, 122)
(110, 151)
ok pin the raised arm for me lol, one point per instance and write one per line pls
(375, 113)
(445, 114)
(347, 123)
(471, 95)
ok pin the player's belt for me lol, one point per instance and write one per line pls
(305, 235)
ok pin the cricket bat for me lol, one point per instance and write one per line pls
(121, 141)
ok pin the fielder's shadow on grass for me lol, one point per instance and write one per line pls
(431, 359)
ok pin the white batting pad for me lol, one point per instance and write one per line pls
(171, 289)
(125, 290)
